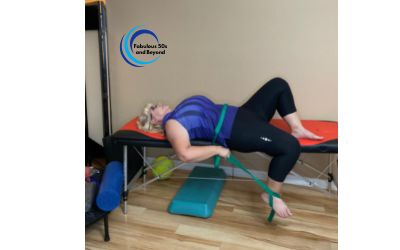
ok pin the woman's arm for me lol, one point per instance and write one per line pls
(179, 139)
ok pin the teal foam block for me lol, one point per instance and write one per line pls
(198, 197)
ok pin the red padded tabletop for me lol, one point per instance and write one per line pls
(327, 129)
(132, 126)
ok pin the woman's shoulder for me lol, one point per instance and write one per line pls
(174, 125)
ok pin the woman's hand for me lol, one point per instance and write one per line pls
(224, 152)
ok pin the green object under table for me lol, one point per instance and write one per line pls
(198, 197)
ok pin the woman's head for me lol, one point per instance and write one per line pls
(151, 118)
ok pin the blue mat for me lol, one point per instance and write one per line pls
(198, 197)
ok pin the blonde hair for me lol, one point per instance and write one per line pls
(144, 122)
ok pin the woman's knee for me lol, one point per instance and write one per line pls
(290, 147)
(293, 147)
(278, 83)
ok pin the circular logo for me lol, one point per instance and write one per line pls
(129, 48)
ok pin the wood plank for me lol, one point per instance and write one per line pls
(239, 221)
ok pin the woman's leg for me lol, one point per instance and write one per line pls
(277, 95)
(250, 134)
(273, 95)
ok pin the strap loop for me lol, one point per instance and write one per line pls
(235, 162)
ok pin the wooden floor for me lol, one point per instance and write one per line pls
(238, 221)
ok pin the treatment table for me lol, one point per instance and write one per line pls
(131, 135)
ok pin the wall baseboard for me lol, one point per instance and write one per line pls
(262, 175)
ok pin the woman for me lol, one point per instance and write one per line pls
(245, 129)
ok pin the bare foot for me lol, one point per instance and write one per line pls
(306, 134)
(279, 206)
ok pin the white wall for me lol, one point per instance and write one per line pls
(227, 49)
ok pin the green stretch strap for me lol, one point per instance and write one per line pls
(217, 129)
(234, 161)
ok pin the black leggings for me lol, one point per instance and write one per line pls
(252, 132)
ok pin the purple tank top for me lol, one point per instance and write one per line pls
(199, 116)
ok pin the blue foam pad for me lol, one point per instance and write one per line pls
(109, 195)
(198, 197)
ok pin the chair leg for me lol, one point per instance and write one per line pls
(106, 234)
